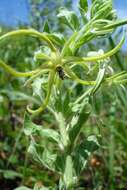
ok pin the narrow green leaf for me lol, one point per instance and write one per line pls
(10, 174)
(31, 128)
(46, 27)
(42, 156)
(83, 7)
(82, 153)
(62, 127)
(49, 158)
(37, 87)
(57, 38)
(34, 151)
(61, 184)
(83, 4)
(18, 96)
(100, 77)
(102, 9)
(69, 18)
(60, 163)
(42, 54)
(82, 111)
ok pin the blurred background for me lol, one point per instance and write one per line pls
(107, 169)
(16, 12)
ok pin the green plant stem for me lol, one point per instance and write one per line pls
(30, 32)
(97, 58)
(74, 77)
(40, 72)
(45, 103)
(16, 73)
(65, 47)
(116, 24)
(112, 44)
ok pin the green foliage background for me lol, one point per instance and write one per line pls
(107, 168)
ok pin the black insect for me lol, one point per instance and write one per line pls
(60, 72)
